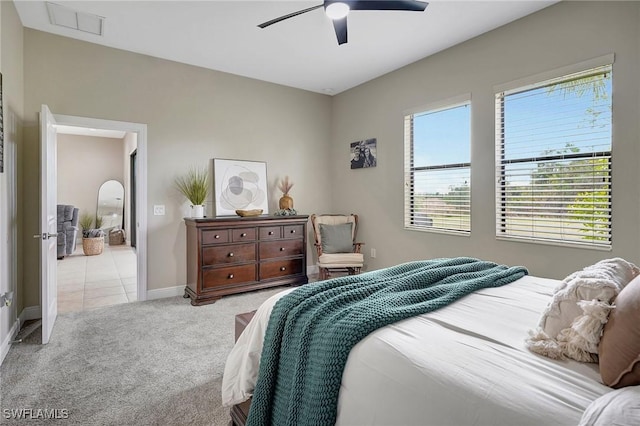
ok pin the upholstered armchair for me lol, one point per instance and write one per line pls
(67, 229)
(335, 241)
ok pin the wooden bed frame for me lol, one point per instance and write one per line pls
(240, 411)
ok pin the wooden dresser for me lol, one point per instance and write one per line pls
(231, 255)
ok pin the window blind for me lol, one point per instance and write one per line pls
(438, 170)
(553, 160)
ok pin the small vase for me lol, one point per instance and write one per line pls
(286, 202)
(197, 211)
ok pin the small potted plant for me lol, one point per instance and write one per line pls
(92, 237)
(195, 187)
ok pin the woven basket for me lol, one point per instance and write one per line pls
(92, 246)
(116, 237)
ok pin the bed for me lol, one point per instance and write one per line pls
(463, 364)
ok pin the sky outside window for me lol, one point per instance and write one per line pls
(442, 137)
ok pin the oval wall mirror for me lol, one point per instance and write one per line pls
(111, 205)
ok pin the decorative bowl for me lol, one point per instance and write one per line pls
(249, 213)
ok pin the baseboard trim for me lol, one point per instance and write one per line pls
(6, 343)
(28, 313)
(161, 293)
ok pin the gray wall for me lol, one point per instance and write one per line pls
(84, 164)
(192, 114)
(561, 35)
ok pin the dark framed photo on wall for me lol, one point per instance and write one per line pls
(364, 153)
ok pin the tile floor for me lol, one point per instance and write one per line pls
(87, 282)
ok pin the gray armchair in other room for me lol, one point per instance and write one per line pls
(67, 229)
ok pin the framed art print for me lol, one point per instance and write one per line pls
(364, 153)
(239, 185)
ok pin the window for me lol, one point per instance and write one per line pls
(553, 160)
(438, 169)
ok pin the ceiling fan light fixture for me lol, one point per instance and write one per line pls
(337, 10)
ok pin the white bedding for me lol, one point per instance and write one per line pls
(465, 364)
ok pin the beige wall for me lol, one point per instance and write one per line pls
(564, 34)
(11, 66)
(192, 114)
(84, 164)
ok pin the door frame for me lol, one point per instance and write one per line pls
(140, 190)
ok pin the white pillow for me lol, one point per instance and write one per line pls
(620, 408)
(601, 281)
(564, 330)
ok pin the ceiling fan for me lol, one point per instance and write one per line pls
(338, 10)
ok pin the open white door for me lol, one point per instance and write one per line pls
(48, 222)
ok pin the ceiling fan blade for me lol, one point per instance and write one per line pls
(340, 25)
(291, 15)
(407, 5)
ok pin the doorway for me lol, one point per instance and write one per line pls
(132, 185)
(118, 273)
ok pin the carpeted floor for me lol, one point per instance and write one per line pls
(158, 362)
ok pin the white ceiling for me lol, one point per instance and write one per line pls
(301, 52)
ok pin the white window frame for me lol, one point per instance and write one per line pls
(536, 82)
(410, 169)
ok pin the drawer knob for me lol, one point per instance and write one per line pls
(270, 232)
(293, 231)
(230, 276)
(217, 236)
(283, 268)
(281, 248)
(244, 234)
(231, 254)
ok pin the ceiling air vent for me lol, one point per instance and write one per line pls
(69, 18)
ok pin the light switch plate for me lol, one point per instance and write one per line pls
(158, 210)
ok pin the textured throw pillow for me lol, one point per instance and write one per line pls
(619, 349)
(336, 238)
(602, 281)
(561, 331)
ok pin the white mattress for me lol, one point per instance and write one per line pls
(465, 364)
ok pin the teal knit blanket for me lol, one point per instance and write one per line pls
(312, 330)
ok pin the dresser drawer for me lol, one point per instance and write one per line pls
(232, 253)
(280, 268)
(270, 232)
(215, 236)
(292, 231)
(228, 276)
(283, 248)
(243, 234)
